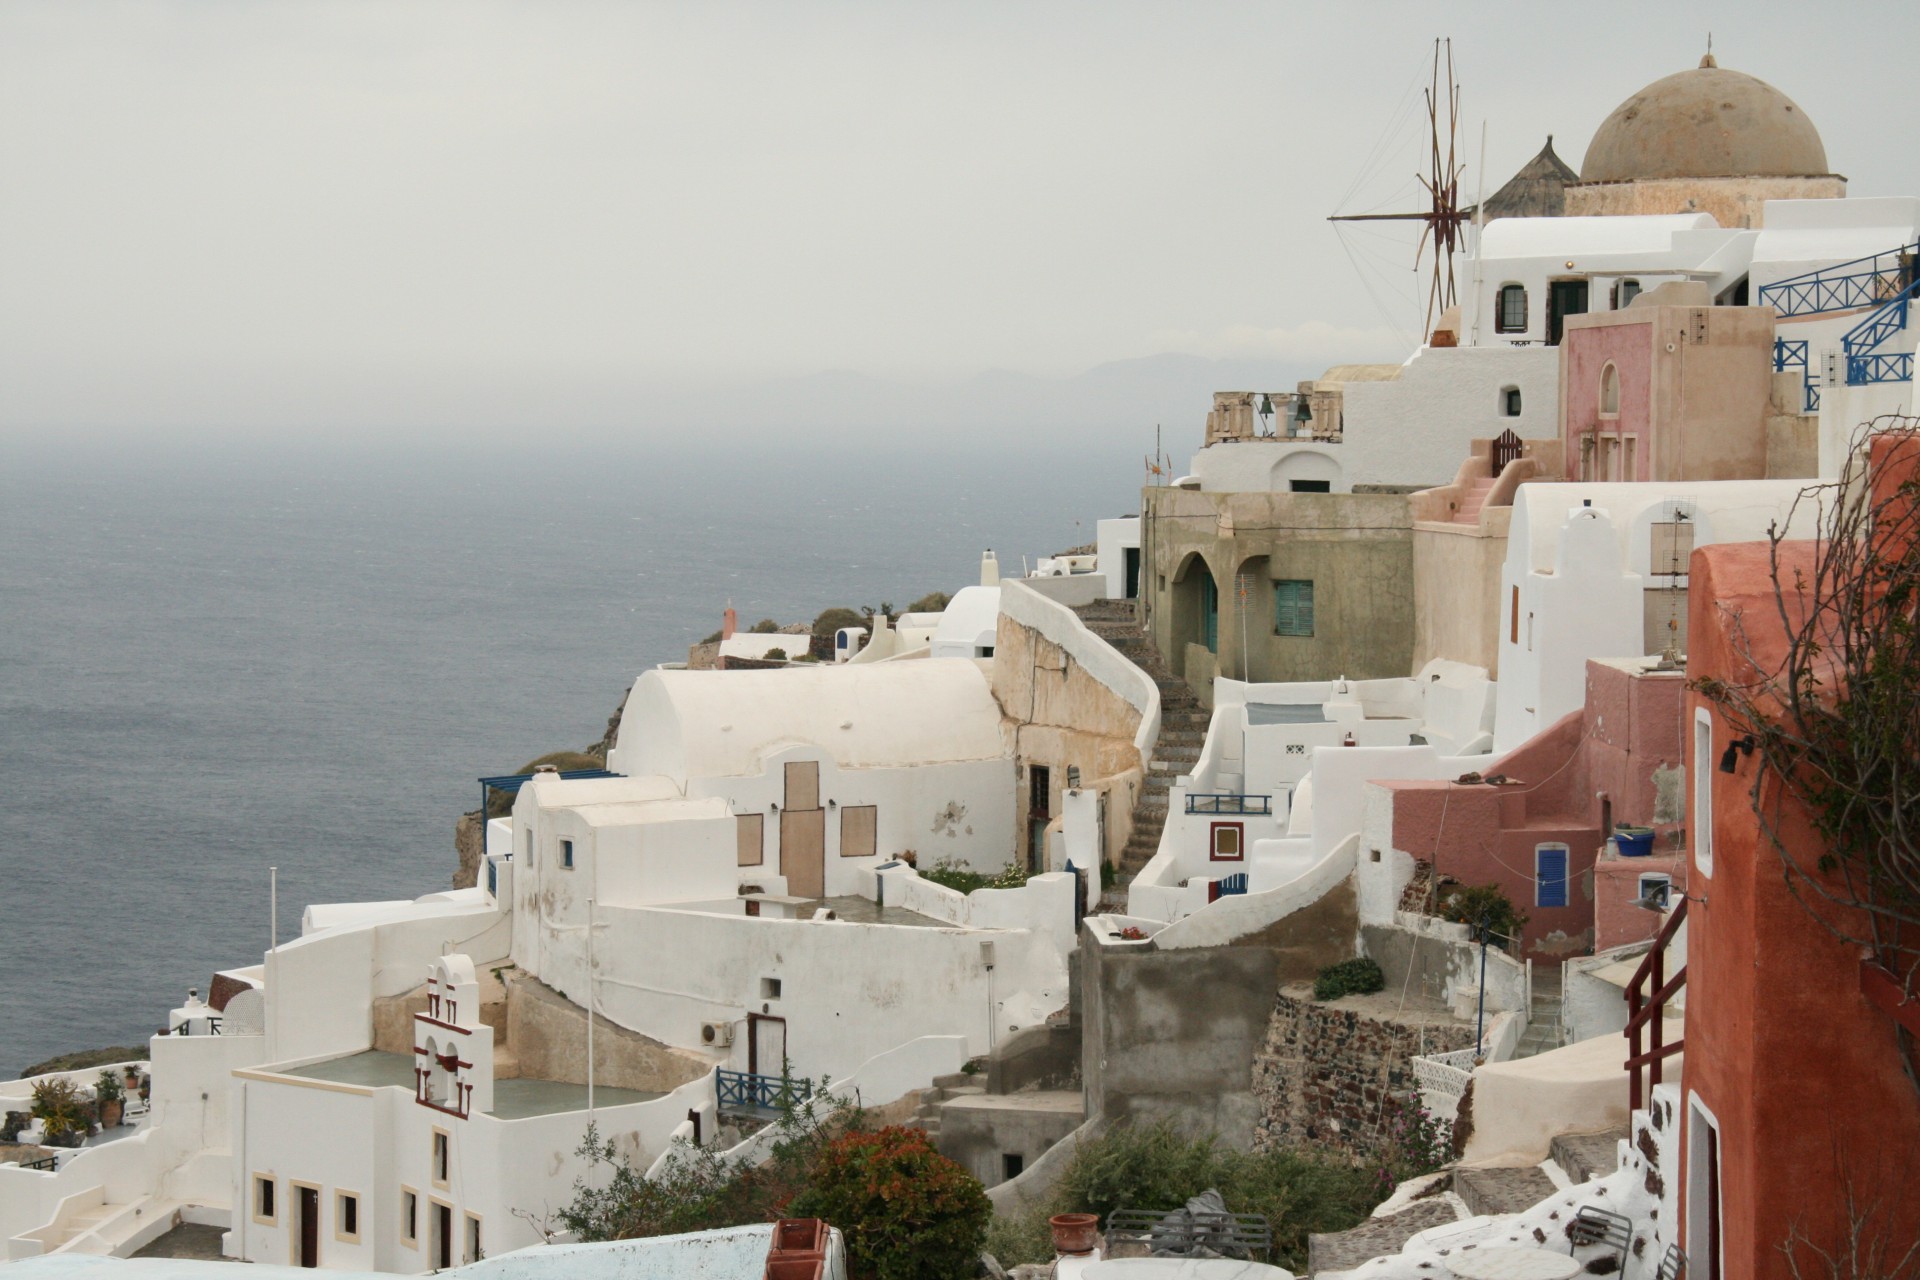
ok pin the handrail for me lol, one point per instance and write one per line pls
(1645, 1014)
(1863, 365)
(1228, 802)
(768, 1093)
(1819, 275)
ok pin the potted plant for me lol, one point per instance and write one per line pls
(16, 1121)
(63, 1112)
(130, 1079)
(111, 1098)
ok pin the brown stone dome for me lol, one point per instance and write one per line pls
(1705, 123)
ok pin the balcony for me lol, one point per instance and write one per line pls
(1230, 803)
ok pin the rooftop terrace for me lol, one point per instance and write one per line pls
(512, 1099)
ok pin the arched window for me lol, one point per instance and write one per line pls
(1610, 391)
(1510, 314)
(1509, 402)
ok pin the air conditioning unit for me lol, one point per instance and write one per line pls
(718, 1035)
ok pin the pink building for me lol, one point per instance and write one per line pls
(1538, 833)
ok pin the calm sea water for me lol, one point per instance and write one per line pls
(212, 663)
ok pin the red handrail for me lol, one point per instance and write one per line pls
(1646, 1014)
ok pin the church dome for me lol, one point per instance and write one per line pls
(1705, 123)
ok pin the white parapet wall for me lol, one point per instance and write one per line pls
(1025, 604)
(1238, 915)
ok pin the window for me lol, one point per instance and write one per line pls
(750, 839)
(410, 1217)
(1510, 313)
(263, 1206)
(986, 651)
(1039, 790)
(346, 1217)
(769, 988)
(1509, 402)
(1625, 292)
(1550, 875)
(440, 1157)
(1610, 391)
(857, 823)
(566, 854)
(1011, 1163)
(1655, 890)
(1310, 486)
(1513, 624)
(473, 1239)
(1228, 840)
(1702, 825)
(1293, 607)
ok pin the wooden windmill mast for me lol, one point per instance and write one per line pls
(1444, 219)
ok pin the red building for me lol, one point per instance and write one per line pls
(1797, 1081)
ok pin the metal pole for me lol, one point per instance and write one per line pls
(273, 909)
(1480, 1017)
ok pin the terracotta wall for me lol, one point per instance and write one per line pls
(1803, 1075)
(1584, 354)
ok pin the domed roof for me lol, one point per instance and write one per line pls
(1705, 123)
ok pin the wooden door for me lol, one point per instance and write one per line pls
(766, 1044)
(442, 1235)
(803, 852)
(308, 1199)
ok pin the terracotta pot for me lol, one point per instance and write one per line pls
(1074, 1232)
(111, 1112)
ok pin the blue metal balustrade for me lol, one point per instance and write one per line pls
(1864, 364)
(1845, 286)
(1228, 802)
(1791, 356)
(744, 1091)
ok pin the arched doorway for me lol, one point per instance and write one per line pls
(1196, 610)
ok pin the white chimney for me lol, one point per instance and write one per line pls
(989, 569)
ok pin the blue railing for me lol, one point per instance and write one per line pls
(742, 1090)
(1882, 275)
(1863, 365)
(1790, 356)
(1228, 802)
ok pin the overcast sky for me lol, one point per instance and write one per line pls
(228, 211)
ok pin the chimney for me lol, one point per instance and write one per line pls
(729, 622)
(989, 569)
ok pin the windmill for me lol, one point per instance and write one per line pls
(1444, 229)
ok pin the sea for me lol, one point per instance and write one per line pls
(218, 658)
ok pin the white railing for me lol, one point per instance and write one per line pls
(1443, 1080)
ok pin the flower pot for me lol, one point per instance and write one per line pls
(112, 1112)
(1074, 1232)
(1633, 842)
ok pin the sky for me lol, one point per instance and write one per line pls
(283, 216)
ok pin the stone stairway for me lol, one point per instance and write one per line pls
(1183, 732)
(1586, 1156)
(944, 1088)
(1475, 497)
(1543, 1020)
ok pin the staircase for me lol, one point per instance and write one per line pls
(957, 1085)
(1543, 1019)
(1471, 501)
(1183, 731)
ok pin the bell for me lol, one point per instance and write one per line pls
(1302, 413)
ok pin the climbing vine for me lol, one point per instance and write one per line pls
(1833, 715)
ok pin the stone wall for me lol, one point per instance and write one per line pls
(548, 1036)
(1326, 1069)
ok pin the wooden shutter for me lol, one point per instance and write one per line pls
(857, 823)
(1293, 607)
(750, 835)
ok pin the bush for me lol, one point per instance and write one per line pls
(1154, 1167)
(1486, 904)
(958, 878)
(65, 1117)
(831, 620)
(932, 602)
(907, 1212)
(765, 627)
(1348, 978)
(776, 654)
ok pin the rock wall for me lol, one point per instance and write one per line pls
(1326, 1069)
(548, 1034)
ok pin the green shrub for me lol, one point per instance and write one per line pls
(776, 654)
(1484, 905)
(1155, 1167)
(831, 620)
(765, 627)
(1348, 978)
(958, 878)
(932, 602)
(712, 639)
(906, 1211)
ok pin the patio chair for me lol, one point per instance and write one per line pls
(1674, 1265)
(1591, 1226)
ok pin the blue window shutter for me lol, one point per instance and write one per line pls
(1550, 875)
